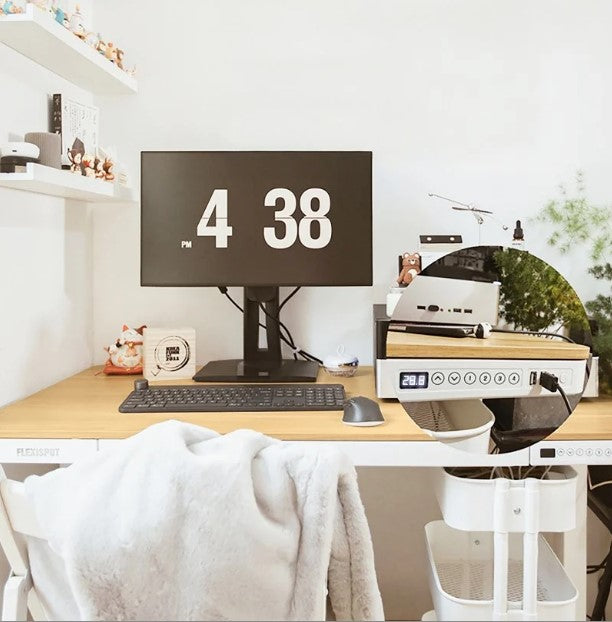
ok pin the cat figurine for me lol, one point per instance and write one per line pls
(125, 356)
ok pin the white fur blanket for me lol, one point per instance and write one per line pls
(180, 523)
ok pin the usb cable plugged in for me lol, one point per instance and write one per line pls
(550, 382)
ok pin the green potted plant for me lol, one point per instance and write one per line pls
(575, 222)
(534, 296)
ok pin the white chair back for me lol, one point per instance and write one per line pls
(17, 520)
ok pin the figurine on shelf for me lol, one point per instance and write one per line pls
(75, 155)
(10, 8)
(99, 168)
(119, 61)
(92, 39)
(108, 169)
(76, 24)
(125, 356)
(111, 52)
(60, 15)
(43, 5)
(89, 166)
(101, 47)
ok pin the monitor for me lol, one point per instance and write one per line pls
(260, 220)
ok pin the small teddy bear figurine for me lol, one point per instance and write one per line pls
(108, 169)
(99, 168)
(125, 355)
(411, 266)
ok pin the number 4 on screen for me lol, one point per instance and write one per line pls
(221, 231)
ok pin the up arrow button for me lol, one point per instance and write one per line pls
(437, 378)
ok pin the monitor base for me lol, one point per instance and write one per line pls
(235, 370)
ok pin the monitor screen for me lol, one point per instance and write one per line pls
(220, 218)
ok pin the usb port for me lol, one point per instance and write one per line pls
(456, 310)
(421, 307)
(533, 377)
(467, 310)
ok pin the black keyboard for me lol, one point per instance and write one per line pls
(234, 398)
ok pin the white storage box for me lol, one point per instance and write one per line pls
(461, 577)
(502, 504)
(464, 424)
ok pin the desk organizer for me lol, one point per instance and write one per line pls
(502, 504)
(487, 559)
(462, 567)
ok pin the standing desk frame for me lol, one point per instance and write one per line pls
(79, 416)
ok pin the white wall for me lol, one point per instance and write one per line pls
(46, 288)
(45, 251)
(492, 102)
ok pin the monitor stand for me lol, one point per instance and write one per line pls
(259, 364)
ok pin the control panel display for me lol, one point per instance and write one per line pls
(414, 379)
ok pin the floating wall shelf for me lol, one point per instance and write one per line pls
(38, 36)
(59, 183)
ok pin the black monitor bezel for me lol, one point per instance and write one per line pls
(238, 283)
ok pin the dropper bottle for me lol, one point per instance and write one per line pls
(518, 237)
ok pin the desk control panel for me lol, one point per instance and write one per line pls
(571, 452)
(444, 379)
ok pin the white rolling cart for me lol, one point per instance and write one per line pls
(487, 559)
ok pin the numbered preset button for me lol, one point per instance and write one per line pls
(514, 377)
(499, 378)
(485, 377)
(437, 378)
(469, 378)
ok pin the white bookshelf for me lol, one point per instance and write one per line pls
(36, 35)
(60, 183)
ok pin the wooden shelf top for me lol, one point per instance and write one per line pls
(497, 346)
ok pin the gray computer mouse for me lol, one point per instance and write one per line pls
(362, 411)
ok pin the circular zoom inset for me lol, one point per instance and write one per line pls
(478, 350)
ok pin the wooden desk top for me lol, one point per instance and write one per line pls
(85, 406)
(590, 421)
(497, 346)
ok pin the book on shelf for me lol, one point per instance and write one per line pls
(78, 124)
